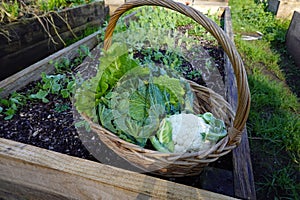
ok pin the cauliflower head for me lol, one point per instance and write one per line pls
(188, 133)
(183, 132)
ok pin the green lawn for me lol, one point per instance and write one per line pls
(273, 124)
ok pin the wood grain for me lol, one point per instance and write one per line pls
(32, 172)
(242, 166)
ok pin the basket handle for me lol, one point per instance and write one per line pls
(243, 104)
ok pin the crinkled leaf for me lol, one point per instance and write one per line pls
(64, 93)
(113, 65)
(106, 118)
(173, 87)
(138, 104)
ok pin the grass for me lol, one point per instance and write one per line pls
(273, 124)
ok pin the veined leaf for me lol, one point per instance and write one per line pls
(113, 65)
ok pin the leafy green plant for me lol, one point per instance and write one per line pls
(83, 124)
(48, 5)
(165, 57)
(65, 65)
(61, 107)
(83, 52)
(61, 84)
(161, 40)
(194, 74)
(9, 10)
(131, 97)
(86, 32)
(10, 106)
(54, 84)
(62, 66)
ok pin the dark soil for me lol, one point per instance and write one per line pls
(42, 125)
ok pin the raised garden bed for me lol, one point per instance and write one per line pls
(16, 153)
(26, 41)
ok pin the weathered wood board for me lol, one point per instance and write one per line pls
(113, 5)
(29, 172)
(27, 41)
(205, 6)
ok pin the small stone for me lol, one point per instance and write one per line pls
(35, 133)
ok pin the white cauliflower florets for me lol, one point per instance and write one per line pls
(186, 133)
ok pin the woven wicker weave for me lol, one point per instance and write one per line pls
(176, 165)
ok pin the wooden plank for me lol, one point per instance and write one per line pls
(242, 166)
(207, 6)
(113, 5)
(33, 72)
(30, 171)
(286, 8)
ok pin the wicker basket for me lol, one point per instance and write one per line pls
(177, 165)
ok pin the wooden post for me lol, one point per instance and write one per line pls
(114, 4)
(242, 166)
(293, 38)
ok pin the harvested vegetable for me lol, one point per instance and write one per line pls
(131, 99)
(146, 104)
(189, 133)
